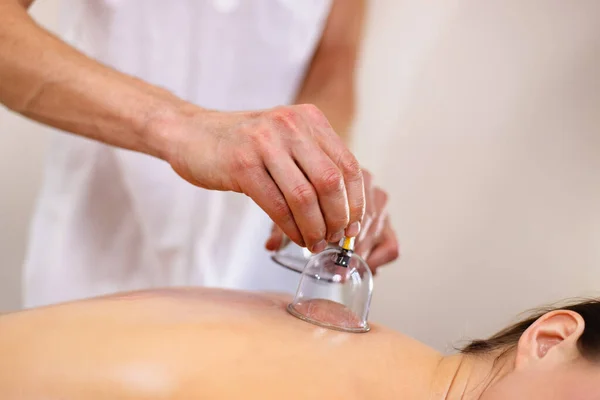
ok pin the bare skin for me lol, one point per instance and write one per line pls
(292, 161)
(288, 159)
(377, 243)
(199, 343)
(220, 344)
(330, 84)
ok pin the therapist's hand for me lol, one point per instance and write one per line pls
(287, 159)
(377, 243)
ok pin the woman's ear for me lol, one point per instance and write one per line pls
(552, 338)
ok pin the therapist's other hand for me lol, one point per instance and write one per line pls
(288, 160)
(377, 242)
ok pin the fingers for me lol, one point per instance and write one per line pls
(386, 251)
(328, 182)
(301, 198)
(315, 174)
(370, 208)
(258, 185)
(257, 153)
(372, 238)
(356, 195)
(277, 239)
(334, 147)
(377, 215)
(380, 215)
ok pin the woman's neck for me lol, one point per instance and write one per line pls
(466, 377)
(401, 367)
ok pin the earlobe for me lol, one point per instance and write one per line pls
(557, 330)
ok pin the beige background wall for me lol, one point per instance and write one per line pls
(482, 121)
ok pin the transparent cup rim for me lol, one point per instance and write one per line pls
(275, 257)
(366, 328)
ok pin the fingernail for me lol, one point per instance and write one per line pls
(336, 237)
(353, 230)
(319, 247)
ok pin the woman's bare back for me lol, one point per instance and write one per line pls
(192, 343)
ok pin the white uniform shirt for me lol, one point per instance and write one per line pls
(112, 220)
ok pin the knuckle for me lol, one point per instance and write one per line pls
(314, 113)
(244, 160)
(281, 211)
(263, 144)
(311, 109)
(350, 166)
(261, 136)
(315, 235)
(331, 181)
(304, 195)
(285, 117)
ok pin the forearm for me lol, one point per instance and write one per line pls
(334, 96)
(43, 78)
(330, 81)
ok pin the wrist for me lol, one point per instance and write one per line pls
(162, 129)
